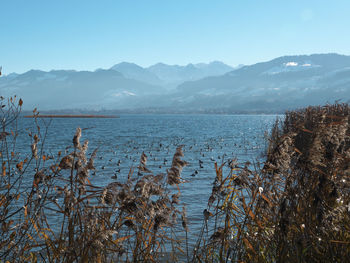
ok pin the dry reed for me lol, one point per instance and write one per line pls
(294, 207)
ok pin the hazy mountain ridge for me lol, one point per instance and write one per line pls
(74, 89)
(125, 85)
(170, 76)
(133, 71)
(273, 86)
(285, 82)
(173, 75)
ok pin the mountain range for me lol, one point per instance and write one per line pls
(280, 84)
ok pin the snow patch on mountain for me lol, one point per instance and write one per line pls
(123, 93)
(290, 66)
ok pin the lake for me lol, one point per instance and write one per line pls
(206, 139)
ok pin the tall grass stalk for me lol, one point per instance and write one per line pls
(293, 207)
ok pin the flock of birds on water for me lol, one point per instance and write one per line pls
(200, 154)
(118, 160)
(118, 154)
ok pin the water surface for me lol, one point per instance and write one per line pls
(206, 139)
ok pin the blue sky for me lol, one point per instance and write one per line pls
(86, 35)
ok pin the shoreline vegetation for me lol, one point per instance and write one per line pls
(70, 116)
(293, 207)
(154, 111)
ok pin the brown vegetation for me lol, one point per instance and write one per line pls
(70, 116)
(295, 207)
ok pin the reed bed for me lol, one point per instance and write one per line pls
(293, 207)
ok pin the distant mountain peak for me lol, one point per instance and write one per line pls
(134, 71)
(176, 74)
(190, 66)
(281, 83)
(125, 65)
(217, 62)
(159, 64)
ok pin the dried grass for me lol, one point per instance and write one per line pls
(295, 207)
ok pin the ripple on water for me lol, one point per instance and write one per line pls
(121, 141)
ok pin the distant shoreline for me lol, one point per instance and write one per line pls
(71, 116)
